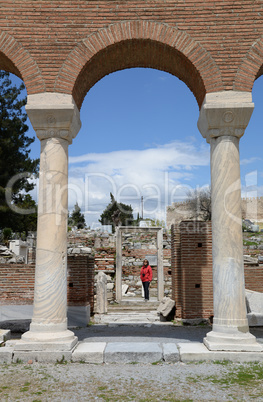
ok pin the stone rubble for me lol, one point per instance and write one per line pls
(7, 256)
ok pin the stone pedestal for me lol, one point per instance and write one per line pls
(223, 119)
(55, 119)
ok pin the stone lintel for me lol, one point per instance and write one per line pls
(225, 113)
(53, 115)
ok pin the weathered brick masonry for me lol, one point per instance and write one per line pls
(192, 270)
(17, 282)
(67, 46)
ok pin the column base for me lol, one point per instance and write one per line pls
(47, 337)
(50, 346)
(235, 341)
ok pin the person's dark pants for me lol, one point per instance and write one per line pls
(146, 289)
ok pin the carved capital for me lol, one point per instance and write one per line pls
(53, 115)
(225, 113)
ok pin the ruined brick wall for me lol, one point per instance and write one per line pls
(67, 46)
(192, 265)
(80, 281)
(17, 282)
(192, 273)
(254, 278)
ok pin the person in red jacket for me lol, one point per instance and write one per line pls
(146, 277)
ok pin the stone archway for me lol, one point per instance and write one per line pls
(138, 44)
(15, 59)
(193, 41)
(159, 234)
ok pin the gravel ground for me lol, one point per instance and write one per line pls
(134, 382)
(131, 382)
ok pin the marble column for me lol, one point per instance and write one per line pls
(223, 119)
(56, 121)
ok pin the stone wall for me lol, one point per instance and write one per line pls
(252, 209)
(136, 246)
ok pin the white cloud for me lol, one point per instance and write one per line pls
(250, 160)
(155, 173)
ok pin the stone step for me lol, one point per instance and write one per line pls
(123, 352)
(128, 309)
(127, 317)
(134, 303)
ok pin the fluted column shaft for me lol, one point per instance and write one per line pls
(223, 119)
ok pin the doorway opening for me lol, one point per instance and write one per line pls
(159, 257)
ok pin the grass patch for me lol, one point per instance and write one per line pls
(222, 362)
(62, 360)
(245, 376)
(249, 243)
(25, 388)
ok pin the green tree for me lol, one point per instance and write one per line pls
(117, 214)
(26, 222)
(15, 162)
(77, 218)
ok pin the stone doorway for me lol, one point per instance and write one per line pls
(160, 277)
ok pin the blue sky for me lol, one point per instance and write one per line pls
(139, 137)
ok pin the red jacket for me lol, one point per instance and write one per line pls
(148, 275)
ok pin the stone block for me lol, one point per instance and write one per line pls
(152, 260)
(254, 301)
(195, 351)
(6, 355)
(76, 251)
(85, 250)
(47, 347)
(141, 352)
(124, 289)
(5, 334)
(170, 352)
(92, 352)
(166, 306)
(152, 247)
(42, 356)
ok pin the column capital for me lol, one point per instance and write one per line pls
(53, 115)
(225, 113)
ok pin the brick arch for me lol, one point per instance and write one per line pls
(138, 44)
(17, 60)
(251, 68)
